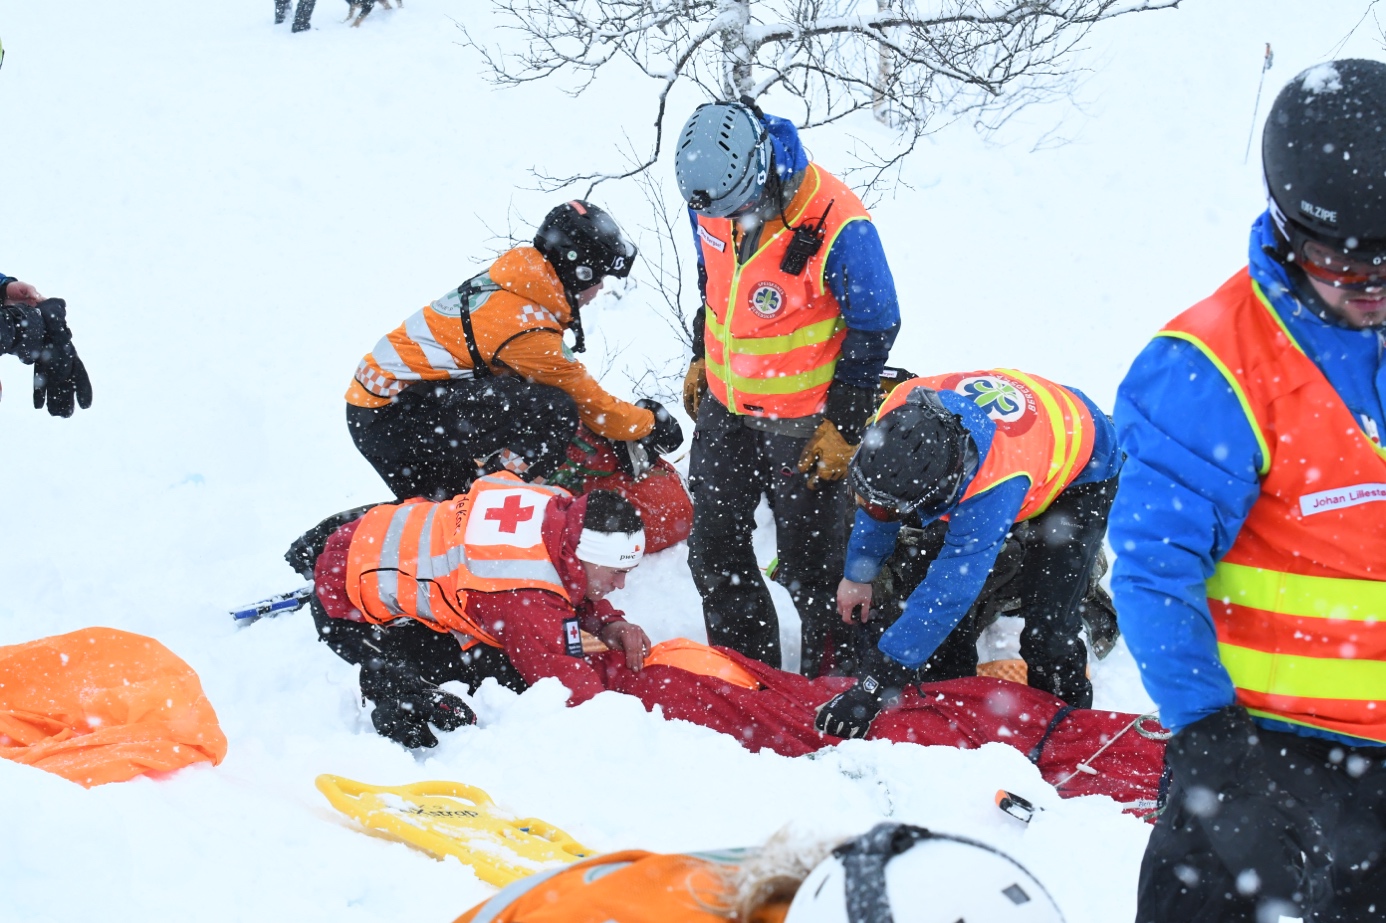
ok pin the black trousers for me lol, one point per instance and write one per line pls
(1344, 789)
(731, 468)
(302, 15)
(434, 438)
(1047, 565)
(435, 657)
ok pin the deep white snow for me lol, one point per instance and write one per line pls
(235, 214)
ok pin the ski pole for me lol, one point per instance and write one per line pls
(274, 605)
(1256, 108)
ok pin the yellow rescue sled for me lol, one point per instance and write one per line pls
(453, 819)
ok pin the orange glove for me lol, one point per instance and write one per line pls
(826, 456)
(694, 384)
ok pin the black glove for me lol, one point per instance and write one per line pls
(638, 455)
(1263, 836)
(59, 375)
(21, 332)
(406, 704)
(849, 408)
(850, 713)
(667, 435)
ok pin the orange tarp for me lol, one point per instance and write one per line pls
(101, 705)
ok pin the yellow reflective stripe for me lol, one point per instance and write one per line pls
(1275, 316)
(1338, 598)
(828, 248)
(1304, 677)
(1236, 389)
(1065, 451)
(1363, 731)
(780, 384)
(812, 335)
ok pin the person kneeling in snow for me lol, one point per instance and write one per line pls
(502, 581)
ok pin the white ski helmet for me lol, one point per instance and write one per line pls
(897, 873)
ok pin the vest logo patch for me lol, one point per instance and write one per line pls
(1341, 498)
(506, 517)
(1009, 403)
(713, 242)
(767, 300)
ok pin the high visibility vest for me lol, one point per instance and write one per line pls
(772, 340)
(1044, 432)
(632, 886)
(1299, 600)
(419, 559)
(431, 344)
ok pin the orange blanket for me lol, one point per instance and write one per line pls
(101, 705)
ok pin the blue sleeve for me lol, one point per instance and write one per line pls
(1189, 481)
(870, 543)
(857, 274)
(1105, 461)
(977, 529)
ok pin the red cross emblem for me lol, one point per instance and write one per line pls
(510, 514)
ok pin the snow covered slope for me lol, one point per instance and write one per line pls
(235, 214)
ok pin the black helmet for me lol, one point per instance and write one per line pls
(583, 243)
(1324, 154)
(915, 457)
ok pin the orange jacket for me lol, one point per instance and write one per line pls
(518, 318)
(771, 339)
(1043, 431)
(1298, 599)
(631, 886)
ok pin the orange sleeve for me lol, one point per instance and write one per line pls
(538, 356)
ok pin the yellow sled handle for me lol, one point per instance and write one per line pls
(459, 820)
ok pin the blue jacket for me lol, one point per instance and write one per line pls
(1191, 479)
(977, 529)
(857, 275)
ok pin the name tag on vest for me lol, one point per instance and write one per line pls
(1342, 497)
(711, 241)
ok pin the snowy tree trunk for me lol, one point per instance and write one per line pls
(885, 68)
(733, 23)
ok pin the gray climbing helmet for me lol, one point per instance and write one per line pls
(722, 160)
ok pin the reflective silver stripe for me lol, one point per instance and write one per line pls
(508, 482)
(438, 357)
(537, 571)
(390, 363)
(387, 579)
(423, 580)
(513, 892)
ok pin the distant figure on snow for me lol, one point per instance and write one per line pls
(302, 15)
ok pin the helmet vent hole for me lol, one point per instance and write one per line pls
(1017, 895)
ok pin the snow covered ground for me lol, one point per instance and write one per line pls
(235, 214)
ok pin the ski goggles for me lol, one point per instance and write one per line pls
(1330, 265)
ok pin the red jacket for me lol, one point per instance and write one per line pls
(528, 623)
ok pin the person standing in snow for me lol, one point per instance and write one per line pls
(799, 316)
(34, 329)
(303, 14)
(1251, 573)
(987, 449)
(481, 381)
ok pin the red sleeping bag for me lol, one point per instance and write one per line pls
(659, 495)
(963, 713)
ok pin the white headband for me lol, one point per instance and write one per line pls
(621, 550)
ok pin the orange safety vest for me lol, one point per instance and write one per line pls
(419, 559)
(632, 886)
(1299, 600)
(1044, 432)
(772, 340)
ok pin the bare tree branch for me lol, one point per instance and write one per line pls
(912, 63)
